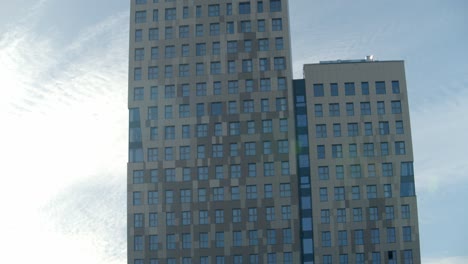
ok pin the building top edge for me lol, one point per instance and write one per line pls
(351, 61)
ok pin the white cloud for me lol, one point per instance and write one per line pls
(446, 260)
(439, 140)
(63, 139)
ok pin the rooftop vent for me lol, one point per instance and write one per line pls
(370, 58)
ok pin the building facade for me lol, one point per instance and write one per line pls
(230, 160)
(212, 171)
(355, 164)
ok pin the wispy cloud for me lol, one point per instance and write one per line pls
(64, 142)
(439, 138)
(446, 260)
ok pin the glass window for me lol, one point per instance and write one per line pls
(337, 130)
(400, 148)
(380, 88)
(137, 74)
(396, 107)
(235, 170)
(358, 237)
(140, 17)
(268, 193)
(219, 216)
(323, 172)
(327, 259)
(320, 152)
(214, 29)
(251, 191)
(396, 87)
(323, 194)
(353, 129)
(138, 243)
(356, 193)
(252, 170)
(407, 233)
(357, 214)
(399, 127)
(230, 28)
(352, 150)
(339, 171)
(138, 35)
(408, 256)
(279, 43)
(325, 216)
(339, 193)
(318, 90)
(246, 26)
(253, 238)
(139, 54)
(371, 191)
(264, 64)
(356, 171)
(364, 88)
(247, 45)
(326, 239)
(368, 149)
(199, 30)
(276, 24)
(184, 31)
(350, 89)
(381, 108)
(247, 65)
(271, 238)
(202, 172)
(259, 6)
(279, 63)
(244, 8)
(232, 46)
(203, 240)
(318, 110)
(285, 190)
(286, 212)
(359, 258)
(368, 129)
(365, 108)
(169, 33)
(373, 214)
(350, 109)
(391, 235)
(341, 215)
(170, 218)
(334, 109)
(387, 169)
(261, 25)
(287, 236)
(389, 213)
(213, 10)
(342, 238)
(275, 5)
(252, 214)
(387, 190)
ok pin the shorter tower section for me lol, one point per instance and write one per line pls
(355, 164)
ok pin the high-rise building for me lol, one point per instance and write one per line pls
(212, 170)
(222, 167)
(355, 163)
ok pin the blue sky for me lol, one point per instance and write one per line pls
(63, 73)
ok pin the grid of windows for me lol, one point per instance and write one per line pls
(268, 126)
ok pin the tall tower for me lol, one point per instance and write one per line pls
(212, 165)
(355, 164)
